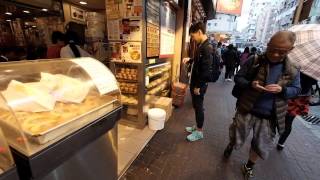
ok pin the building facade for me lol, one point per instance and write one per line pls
(256, 7)
(286, 13)
(223, 23)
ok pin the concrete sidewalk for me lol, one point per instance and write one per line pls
(169, 156)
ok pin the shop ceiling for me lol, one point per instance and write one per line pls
(10, 10)
(91, 4)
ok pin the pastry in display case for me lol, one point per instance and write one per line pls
(41, 102)
(129, 88)
(129, 100)
(6, 160)
(127, 73)
(158, 77)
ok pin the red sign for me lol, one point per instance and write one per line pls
(233, 7)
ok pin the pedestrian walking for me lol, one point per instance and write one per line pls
(223, 49)
(263, 86)
(297, 106)
(244, 56)
(219, 54)
(200, 75)
(230, 60)
(238, 59)
(314, 93)
(253, 51)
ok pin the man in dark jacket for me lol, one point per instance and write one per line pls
(266, 82)
(230, 58)
(200, 75)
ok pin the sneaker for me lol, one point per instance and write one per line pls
(227, 152)
(195, 136)
(280, 147)
(191, 129)
(247, 172)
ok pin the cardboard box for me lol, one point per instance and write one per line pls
(177, 100)
(179, 88)
(165, 104)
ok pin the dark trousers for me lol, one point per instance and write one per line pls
(229, 72)
(288, 128)
(197, 103)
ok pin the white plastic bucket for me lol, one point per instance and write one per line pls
(156, 118)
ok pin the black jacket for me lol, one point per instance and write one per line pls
(201, 65)
(306, 84)
(230, 58)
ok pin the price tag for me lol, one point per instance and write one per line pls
(147, 80)
(101, 76)
(152, 61)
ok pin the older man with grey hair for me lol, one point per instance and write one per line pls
(262, 88)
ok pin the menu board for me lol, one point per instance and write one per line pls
(153, 12)
(114, 9)
(117, 9)
(113, 29)
(153, 40)
(125, 29)
(132, 8)
(131, 52)
(126, 51)
(131, 30)
(167, 36)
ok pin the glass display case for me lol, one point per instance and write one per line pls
(43, 101)
(6, 161)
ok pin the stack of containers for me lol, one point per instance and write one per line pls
(178, 93)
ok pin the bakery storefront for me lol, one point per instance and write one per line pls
(142, 35)
(58, 117)
(85, 118)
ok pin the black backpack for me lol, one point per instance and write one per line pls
(215, 70)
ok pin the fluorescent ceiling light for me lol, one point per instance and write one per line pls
(8, 13)
(83, 2)
(25, 11)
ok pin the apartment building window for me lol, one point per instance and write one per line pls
(215, 24)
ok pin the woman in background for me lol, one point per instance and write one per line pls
(244, 56)
(298, 106)
(72, 48)
(58, 39)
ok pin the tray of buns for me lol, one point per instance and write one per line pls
(42, 127)
(55, 106)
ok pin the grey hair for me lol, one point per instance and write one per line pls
(291, 36)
